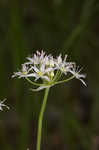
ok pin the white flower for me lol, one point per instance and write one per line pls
(63, 66)
(41, 72)
(37, 58)
(3, 105)
(40, 66)
(48, 69)
(51, 62)
(76, 72)
(31, 60)
(23, 73)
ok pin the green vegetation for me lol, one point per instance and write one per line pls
(58, 26)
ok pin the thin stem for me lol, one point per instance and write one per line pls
(57, 74)
(37, 84)
(41, 119)
(65, 80)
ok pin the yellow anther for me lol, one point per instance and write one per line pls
(40, 73)
(24, 72)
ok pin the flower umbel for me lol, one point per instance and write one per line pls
(45, 70)
(3, 105)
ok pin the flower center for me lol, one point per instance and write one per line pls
(63, 69)
(40, 73)
(24, 72)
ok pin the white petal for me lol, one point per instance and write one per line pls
(30, 69)
(72, 72)
(3, 105)
(59, 59)
(83, 82)
(37, 77)
(65, 58)
(24, 68)
(16, 74)
(45, 77)
(40, 88)
(28, 63)
(42, 68)
(31, 75)
(48, 70)
(1, 108)
(30, 59)
(35, 69)
(22, 76)
(81, 75)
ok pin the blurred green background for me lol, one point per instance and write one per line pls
(71, 120)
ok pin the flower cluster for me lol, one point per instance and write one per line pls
(3, 105)
(45, 70)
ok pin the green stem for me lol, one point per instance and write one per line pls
(37, 84)
(65, 80)
(57, 76)
(41, 119)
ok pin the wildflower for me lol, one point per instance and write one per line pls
(46, 71)
(37, 58)
(63, 66)
(3, 105)
(76, 72)
(23, 73)
(41, 72)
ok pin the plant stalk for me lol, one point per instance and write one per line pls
(41, 119)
